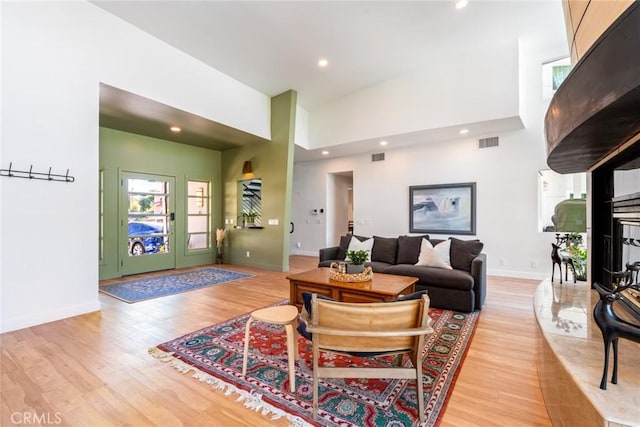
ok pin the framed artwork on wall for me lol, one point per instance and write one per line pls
(443, 208)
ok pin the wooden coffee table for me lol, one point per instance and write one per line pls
(383, 287)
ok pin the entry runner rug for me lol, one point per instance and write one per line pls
(214, 355)
(169, 284)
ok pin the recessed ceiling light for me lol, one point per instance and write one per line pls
(325, 152)
(323, 62)
(461, 4)
(463, 131)
(175, 129)
(383, 142)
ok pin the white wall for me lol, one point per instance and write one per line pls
(54, 55)
(458, 87)
(302, 127)
(506, 179)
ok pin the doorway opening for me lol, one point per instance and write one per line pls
(339, 206)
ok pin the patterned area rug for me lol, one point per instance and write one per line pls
(214, 355)
(169, 284)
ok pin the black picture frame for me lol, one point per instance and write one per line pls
(443, 208)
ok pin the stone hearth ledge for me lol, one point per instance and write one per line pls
(570, 358)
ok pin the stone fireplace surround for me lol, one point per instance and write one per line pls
(593, 125)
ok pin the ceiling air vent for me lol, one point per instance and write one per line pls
(488, 142)
(378, 157)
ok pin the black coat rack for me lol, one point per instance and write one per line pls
(30, 174)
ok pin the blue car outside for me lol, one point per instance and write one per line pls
(139, 244)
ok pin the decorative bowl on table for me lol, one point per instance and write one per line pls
(365, 276)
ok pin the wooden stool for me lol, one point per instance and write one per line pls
(281, 315)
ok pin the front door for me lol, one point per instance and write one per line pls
(146, 223)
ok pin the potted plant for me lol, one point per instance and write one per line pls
(357, 259)
(579, 258)
(249, 218)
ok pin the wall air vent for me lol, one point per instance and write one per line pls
(488, 142)
(378, 157)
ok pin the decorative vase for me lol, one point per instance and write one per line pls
(355, 268)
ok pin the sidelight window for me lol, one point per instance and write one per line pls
(198, 215)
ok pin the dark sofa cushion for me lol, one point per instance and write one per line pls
(344, 245)
(378, 266)
(463, 252)
(409, 249)
(384, 249)
(436, 277)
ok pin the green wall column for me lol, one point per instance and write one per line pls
(273, 163)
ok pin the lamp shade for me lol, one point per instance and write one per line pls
(246, 167)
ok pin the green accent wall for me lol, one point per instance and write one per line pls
(273, 163)
(122, 151)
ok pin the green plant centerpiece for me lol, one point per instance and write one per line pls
(357, 259)
(249, 218)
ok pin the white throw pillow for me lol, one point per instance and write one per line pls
(437, 256)
(356, 245)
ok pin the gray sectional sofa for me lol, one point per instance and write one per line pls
(462, 288)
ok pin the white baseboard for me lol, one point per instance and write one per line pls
(16, 323)
(304, 253)
(517, 274)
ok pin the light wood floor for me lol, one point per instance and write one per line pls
(94, 369)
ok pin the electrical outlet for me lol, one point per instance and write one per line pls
(503, 262)
(534, 264)
(298, 245)
(248, 254)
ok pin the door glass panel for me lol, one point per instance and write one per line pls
(148, 217)
(198, 224)
(197, 241)
(198, 215)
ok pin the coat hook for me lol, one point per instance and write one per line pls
(66, 177)
(30, 169)
(10, 165)
(49, 175)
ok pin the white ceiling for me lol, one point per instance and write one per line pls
(274, 46)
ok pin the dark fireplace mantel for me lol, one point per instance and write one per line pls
(597, 108)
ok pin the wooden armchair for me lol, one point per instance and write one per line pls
(390, 328)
